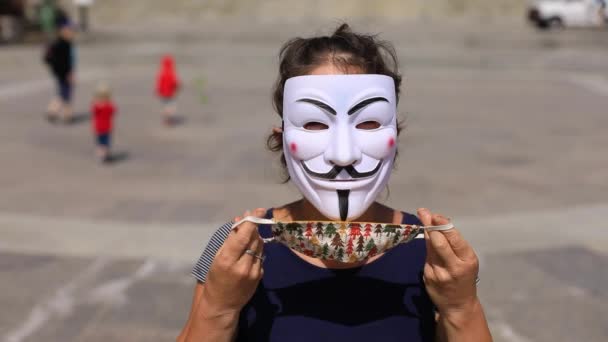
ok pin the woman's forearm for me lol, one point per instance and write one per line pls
(464, 326)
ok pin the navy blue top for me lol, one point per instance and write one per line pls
(382, 301)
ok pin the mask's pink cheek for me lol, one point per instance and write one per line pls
(293, 147)
(391, 142)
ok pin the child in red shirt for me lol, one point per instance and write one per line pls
(103, 111)
(167, 85)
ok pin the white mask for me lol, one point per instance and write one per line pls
(337, 162)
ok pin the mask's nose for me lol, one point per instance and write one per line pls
(342, 150)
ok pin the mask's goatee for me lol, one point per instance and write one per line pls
(343, 203)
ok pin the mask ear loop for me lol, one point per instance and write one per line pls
(440, 228)
(258, 220)
(253, 219)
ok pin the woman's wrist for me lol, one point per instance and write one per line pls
(461, 316)
(211, 310)
(213, 327)
(464, 323)
(211, 323)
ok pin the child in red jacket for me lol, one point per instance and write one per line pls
(103, 111)
(167, 85)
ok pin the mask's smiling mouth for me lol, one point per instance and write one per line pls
(333, 173)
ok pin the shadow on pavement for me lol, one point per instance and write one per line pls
(176, 121)
(79, 118)
(118, 157)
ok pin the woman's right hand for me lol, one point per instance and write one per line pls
(234, 275)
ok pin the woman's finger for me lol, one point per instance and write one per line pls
(259, 212)
(247, 260)
(221, 250)
(443, 250)
(257, 266)
(260, 246)
(240, 238)
(459, 245)
(428, 274)
(248, 235)
(431, 256)
(425, 216)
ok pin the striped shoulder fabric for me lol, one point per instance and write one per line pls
(203, 264)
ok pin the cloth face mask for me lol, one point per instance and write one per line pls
(340, 135)
(341, 241)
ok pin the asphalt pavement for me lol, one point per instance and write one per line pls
(505, 133)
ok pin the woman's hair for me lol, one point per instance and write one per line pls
(346, 50)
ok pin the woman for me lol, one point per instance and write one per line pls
(337, 97)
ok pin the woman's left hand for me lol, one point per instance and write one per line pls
(451, 268)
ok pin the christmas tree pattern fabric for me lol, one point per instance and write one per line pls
(341, 241)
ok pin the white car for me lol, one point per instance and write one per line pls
(563, 13)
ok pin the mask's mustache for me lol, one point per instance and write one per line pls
(333, 173)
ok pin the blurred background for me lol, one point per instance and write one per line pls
(506, 107)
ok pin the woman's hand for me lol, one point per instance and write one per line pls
(451, 269)
(234, 275)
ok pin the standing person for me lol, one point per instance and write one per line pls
(337, 98)
(51, 17)
(83, 7)
(167, 86)
(11, 20)
(602, 12)
(48, 19)
(103, 111)
(60, 58)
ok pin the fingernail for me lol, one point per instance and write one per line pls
(260, 210)
(423, 210)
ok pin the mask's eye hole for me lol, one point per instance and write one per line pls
(315, 126)
(367, 125)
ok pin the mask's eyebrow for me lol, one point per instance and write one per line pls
(319, 104)
(365, 103)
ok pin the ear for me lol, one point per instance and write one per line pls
(277, 130)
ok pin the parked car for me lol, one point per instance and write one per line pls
(11, 19)
(17, 17)
(547, 14)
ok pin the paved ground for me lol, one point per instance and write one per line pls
(505, 133)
